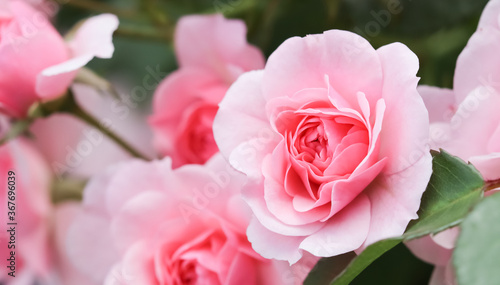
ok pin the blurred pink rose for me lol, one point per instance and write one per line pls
(212, 52)
(465, 121)
(334, 134)
(35, 62)
(477, 96)
(32, 212)
(48, 7)
(144, 223)
(64, 271)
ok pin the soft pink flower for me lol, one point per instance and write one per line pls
(4, 125)
(48, 7)
(212, 52)
(35, 62)
(465, 122)
(144, 223)
(32, 211)
(334, 134)
(64, 273)
(429, 250)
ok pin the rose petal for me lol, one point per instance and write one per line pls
(243, 105)
(242, 270)
(440, 102)
(475, 66)
(429, 251)
(286, 249)
(447, 238)
(92, 39)
(141, 217)
(494, 142)
(17, 51)
(405, 115)
(345, 232)
(348, 60)
(137, 266)
(479, 106)
(443, 275)
(89, 237)
(94, 36)
(253, 194)
(217, 44)
(490, 16)
(488, 165)
(64, 215)
(395, 199)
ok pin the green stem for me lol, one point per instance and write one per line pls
(67, 190)
(492, 185)
(73, 108)
(157, 15)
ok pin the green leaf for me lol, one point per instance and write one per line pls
(453, 189)
(327, 268)
(476, 256)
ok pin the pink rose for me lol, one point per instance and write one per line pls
(48, 7)
(64, 271)
(334, 134)
(35, 62)
(437, 250)
(4, 125)
(465, 121)
(212, 52)
(31, 181)
(476, 95)
(144, 223)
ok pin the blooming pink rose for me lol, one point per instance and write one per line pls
(32, 210)
(334, 134)
(35, 62)
(144, 223)
(465, 121)
(212, 52)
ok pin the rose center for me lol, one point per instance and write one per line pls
(197, 142)
(316, 140)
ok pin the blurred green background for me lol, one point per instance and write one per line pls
(436, 30)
